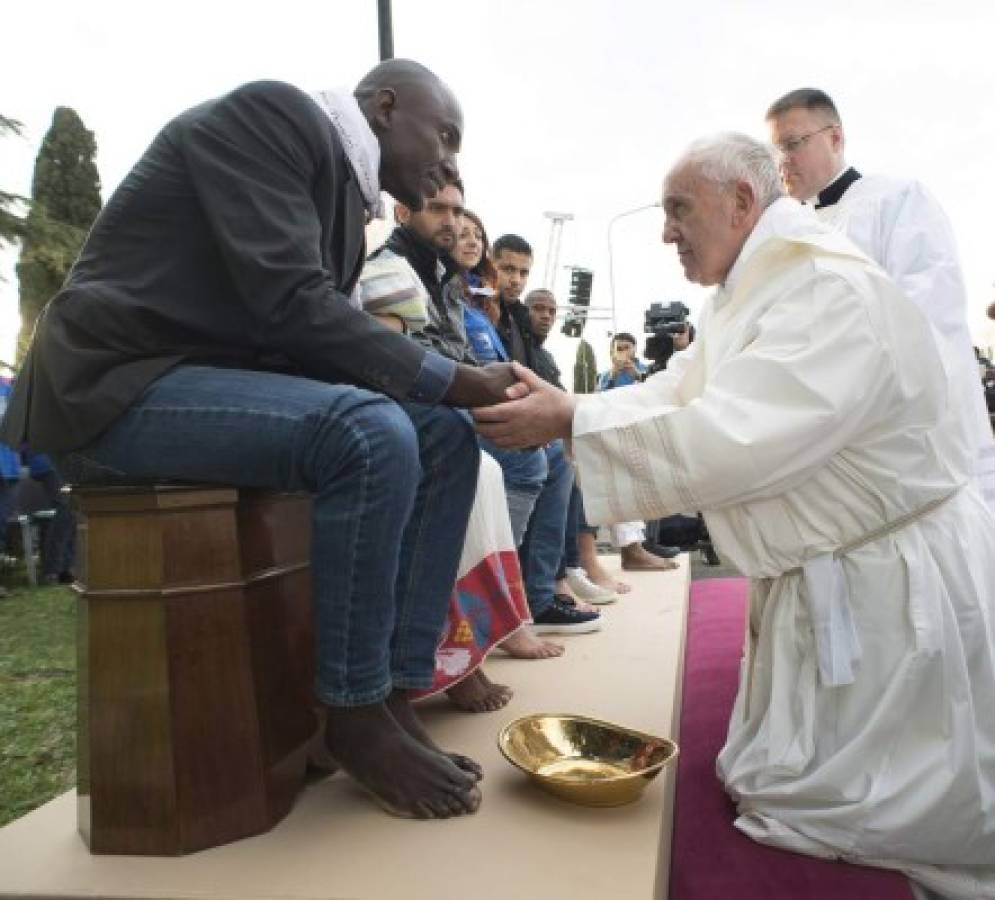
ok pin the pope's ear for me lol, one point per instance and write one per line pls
(744, 201)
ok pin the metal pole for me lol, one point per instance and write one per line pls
(611, 261)
(553, 254)
(386, 30)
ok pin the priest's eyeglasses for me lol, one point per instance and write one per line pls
(793, 145)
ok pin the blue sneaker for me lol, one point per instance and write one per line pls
(562, 617)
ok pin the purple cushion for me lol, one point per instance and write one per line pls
(710, 858)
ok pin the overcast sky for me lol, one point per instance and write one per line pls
(575, 106)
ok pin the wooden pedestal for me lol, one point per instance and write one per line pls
(195, 665)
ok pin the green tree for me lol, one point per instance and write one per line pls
(585, 369)
(65, 199)
(11, 224)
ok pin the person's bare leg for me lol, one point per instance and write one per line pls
(403, 711)
(591, 565)
(319, 759)
(523, 644)
(403, 775)
(635, 557)
(477, 693)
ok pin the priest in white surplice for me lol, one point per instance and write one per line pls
(813, 423)
(899, 225)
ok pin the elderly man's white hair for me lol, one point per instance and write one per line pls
(730, 157)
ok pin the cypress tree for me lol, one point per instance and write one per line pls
(585, 369)
(65, 199)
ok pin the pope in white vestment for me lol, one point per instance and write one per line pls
(815, 426)
(813, 414)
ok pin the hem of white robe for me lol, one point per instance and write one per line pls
(951, 882)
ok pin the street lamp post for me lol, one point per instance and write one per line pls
(611, 263)
(553, 253)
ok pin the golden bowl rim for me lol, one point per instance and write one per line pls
(656, 767)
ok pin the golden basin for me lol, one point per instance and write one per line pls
(585, 760)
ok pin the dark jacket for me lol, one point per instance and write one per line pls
(546, 367)
(234, 241)
(515, 328)
(445, 332)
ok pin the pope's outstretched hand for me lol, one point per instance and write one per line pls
(535, 413)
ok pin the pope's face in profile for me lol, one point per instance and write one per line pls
(701, 221)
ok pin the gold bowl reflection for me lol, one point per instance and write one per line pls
(585, 760)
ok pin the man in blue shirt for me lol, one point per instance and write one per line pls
(626, 368)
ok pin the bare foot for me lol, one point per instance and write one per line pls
(571, 600)
(402, 775)
(595, 571)
(477, 693)
(636, 558)
(404, 714)
(603, 579)
(318, 757)
(523, 644)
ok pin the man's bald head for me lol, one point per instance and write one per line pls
(419, 126)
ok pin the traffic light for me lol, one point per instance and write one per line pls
(580, 287)
(580, 295)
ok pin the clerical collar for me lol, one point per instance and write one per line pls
(832, 193)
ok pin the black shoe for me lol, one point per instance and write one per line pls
(561, 617)
(661, 550)
(711, 558)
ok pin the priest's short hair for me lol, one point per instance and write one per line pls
(804, 98)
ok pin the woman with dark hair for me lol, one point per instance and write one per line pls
(481, 312)
(481, 306)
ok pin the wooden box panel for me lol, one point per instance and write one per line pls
(194, 665)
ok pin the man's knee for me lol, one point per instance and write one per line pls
(524, 470)
(446, 435)
(376, 435)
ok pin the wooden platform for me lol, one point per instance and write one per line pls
(337, 844)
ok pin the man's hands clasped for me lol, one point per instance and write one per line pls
(484, 386)
(534, 413)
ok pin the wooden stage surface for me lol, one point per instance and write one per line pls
(522, 843)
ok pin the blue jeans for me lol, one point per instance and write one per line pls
(380, 592)
(525, 472)
(542, 549)
(571, 550)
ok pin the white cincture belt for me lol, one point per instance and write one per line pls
(836, 641)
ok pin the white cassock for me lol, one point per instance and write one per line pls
(813, 424)
(899, 225)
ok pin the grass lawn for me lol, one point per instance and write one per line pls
(37, 697)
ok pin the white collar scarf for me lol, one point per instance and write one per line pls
(358, 141)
